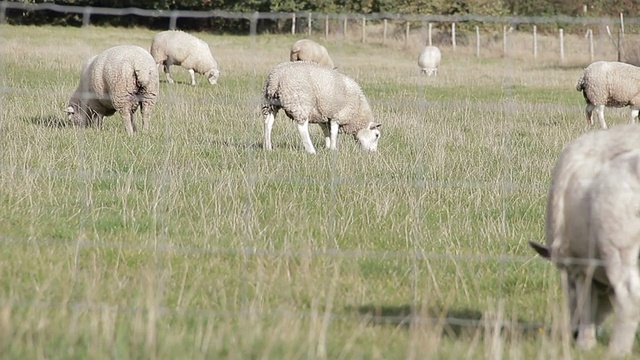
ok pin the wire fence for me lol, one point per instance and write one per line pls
(365, 28)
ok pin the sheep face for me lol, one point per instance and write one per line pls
(212, 75)
(430, 71)
(368, 137)
(76, 115)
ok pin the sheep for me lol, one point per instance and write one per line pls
(309, 50)
(119, 79)
(173, 47)
(593, 232)
(311, 93)
(429, 60)
(610, 83)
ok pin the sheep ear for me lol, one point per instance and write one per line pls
(373, 126)
(540, 249)
(69, 110)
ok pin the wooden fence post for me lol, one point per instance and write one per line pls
(453, 36)
(535, 42)
(364, 29)
(477, 41)
(504, 40)
(430, 26)
(293, 24)
(591, 50)
(561, 44)
(384, 32)
(326, 26)
(406, 36)
(309, 25)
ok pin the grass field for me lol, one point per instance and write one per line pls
(190, 241)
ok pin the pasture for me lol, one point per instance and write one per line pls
(190, 241)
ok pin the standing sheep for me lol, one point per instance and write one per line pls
(174, 47)
(610, 83)
(310, 93)
(593, 232)
(429, 60)
(118, 79)
(309, 50)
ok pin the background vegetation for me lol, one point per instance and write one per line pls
(608, 8)
(190, 241)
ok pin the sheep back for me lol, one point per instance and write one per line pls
(180, 48)
(306, 90)
(309, 50)
(569, 201)
(610, 83)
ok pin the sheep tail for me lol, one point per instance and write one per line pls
(580, 84)
(295, 54)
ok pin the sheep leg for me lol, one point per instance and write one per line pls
(127, 121)
(167, 71)
(622, 268)
(589, 112)
(145, 110)
(326, 130)
(334, 134)
(269, 119)
(303, 130)
(586, 304)
(193, 77)
(600, 113)
(634, 115)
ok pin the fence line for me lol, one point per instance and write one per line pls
(322, 22)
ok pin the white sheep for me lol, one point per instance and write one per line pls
(119, 79)
(429, 60)
(311, 93)
(610, 83)
(309, 50)
(173, 47)
(593, 232)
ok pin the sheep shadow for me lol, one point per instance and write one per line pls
(49, 121)
(454, 323)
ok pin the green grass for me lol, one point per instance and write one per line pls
(190, 241)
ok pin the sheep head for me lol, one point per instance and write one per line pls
(212, 75)
(368, 136)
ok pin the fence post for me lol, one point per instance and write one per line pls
(561, 44)
(344, 27)
(3, 12)
(253, 26)
(364, 29)
(406, 35)
(309, 25)
(590, 36)
(477, 41)
(384, 32)
(173, 20)
(453, 36)
(326, 26)
(293, 24)
(86, 16)
(430, 26)
(504, 40)
(535, 42)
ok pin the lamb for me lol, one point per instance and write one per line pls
(174, 47)
(119, 79)
(429, 60)
(309, 50)
(311, 93)
(593, 232)
(610, 83)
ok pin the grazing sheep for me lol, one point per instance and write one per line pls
(174, 47)
(429, 60)
(610, 83)
(118, 79)
(309, 50)
(310, 93)
(593, 232)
